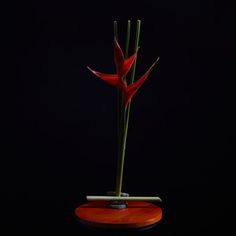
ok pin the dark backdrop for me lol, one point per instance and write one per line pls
(181, 137)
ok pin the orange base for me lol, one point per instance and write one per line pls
(136, 215)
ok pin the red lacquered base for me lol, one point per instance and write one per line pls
(137, 215)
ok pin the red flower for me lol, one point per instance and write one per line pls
(122, 68)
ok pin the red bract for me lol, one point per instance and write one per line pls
(122, 65)
(131, 89)
(122, 68)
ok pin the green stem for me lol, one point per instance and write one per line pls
(118, 97)
(127, 39)
(125, 118)
(136, 46)
(120, 166)
(137, 36)
(115, 30)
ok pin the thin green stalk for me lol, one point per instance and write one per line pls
(121, 142)
(127, 43)
(136, 46)
(125, 122)
(127, 39)
(118, 96)
(115, 30)
(133, 69)
(122, 110)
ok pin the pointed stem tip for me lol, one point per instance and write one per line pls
(115, 30)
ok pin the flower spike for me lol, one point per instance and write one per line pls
(122, 67)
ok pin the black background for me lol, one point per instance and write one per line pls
(181, 138)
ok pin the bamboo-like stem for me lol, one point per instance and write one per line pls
(133, 69)
(127, 39)
(115, 30)
(125, 120)
(122, 137)
(114, 198)
(127, 111)
(120, 167)
(136, 46)
(119, 111)
(118, 98)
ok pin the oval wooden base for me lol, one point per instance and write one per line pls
(137, 215)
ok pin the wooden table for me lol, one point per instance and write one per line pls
(138, 214)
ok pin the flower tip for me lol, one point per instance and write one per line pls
(154, 63)
(94, 72)
(89, 68)
(139, 23)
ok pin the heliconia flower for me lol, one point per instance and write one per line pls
(122, 68)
